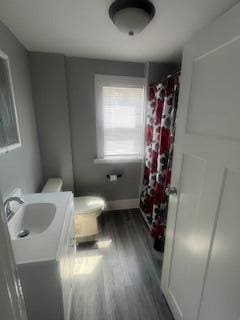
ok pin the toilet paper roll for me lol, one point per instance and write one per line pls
(113, 177)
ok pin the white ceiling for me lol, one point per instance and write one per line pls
(83, 28)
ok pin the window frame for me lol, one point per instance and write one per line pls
(101, 81)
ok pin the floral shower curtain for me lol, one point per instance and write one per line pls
(161, 113)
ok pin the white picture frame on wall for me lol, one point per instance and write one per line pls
(9, 126)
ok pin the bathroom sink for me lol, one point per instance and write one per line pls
(37, 227)
(31, 219)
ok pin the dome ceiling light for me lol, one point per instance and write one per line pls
(131, 16)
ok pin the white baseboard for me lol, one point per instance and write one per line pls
(122, 204)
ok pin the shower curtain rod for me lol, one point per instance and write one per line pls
(172, 75)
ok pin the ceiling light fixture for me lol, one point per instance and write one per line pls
(131, 16)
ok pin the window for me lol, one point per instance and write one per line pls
(119, 109)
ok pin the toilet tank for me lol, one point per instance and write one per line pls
(53, 185)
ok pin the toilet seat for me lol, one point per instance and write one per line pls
(88, 205)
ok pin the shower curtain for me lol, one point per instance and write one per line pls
(160, 129)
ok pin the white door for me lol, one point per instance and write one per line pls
(201, 269)
(12, 306)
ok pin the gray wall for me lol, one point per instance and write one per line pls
(91, 178)
(64, 95)
(20, 167)
(50, 99)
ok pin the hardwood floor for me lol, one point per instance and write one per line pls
(119, 278)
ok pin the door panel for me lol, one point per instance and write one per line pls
(209, 81)
(201, 236)
(187, 235)
(221, 292)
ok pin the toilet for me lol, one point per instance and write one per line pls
(88, 209)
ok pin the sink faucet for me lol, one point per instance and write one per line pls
(8, 211)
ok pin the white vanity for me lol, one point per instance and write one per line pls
(45, 256)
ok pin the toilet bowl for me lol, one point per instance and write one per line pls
(87, 212)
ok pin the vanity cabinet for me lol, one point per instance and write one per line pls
(47, 285)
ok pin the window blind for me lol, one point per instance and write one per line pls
(122, 117)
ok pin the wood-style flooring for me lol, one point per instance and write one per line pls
(118, 278)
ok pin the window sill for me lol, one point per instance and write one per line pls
(117, 160)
